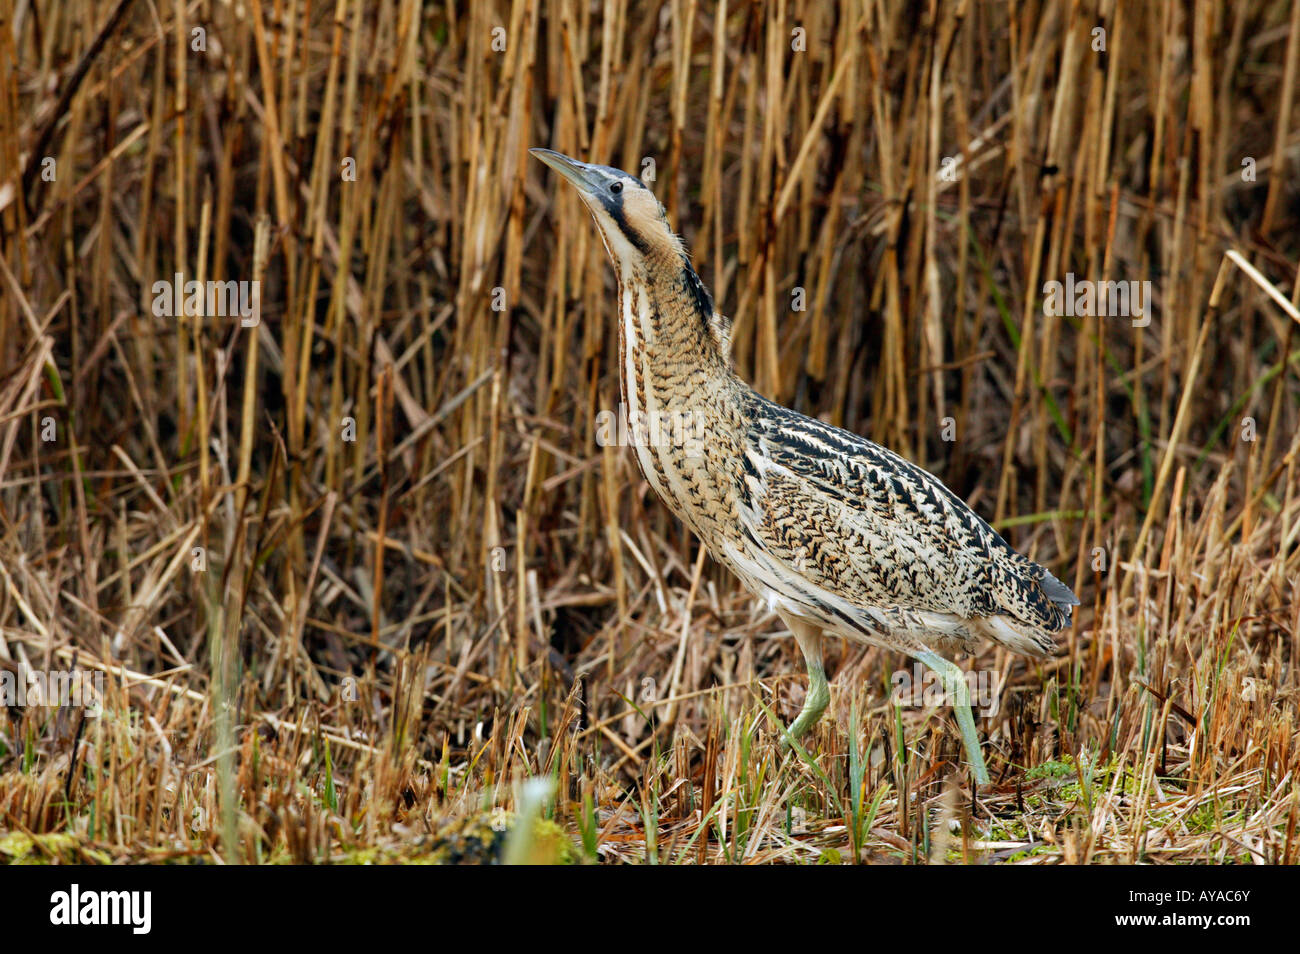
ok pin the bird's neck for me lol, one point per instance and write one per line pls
(677, 387)
(667, 327)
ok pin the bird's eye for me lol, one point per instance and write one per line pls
(616, 188)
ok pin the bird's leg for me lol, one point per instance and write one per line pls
(819, 693)
(954, 682)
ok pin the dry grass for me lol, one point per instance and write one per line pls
(382, 638)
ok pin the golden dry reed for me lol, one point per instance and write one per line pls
(335, 524)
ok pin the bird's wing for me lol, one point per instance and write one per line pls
(880, 531)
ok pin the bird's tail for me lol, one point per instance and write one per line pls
(1018, 637)
(1057, 592)
(1032, 630)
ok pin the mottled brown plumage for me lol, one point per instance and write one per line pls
(834, 532)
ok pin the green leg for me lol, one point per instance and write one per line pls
(819, 692)
(954, 683)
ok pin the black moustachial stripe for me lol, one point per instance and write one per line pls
(614, 206)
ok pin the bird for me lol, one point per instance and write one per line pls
(838, 535)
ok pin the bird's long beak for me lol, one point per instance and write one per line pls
(582, 175)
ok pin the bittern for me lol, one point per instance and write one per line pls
(835, 533)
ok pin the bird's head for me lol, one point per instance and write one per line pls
(635, 230)
(631, 220)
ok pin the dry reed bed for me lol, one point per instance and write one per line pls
(388, 633)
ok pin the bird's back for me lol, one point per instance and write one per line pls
(848, 534)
